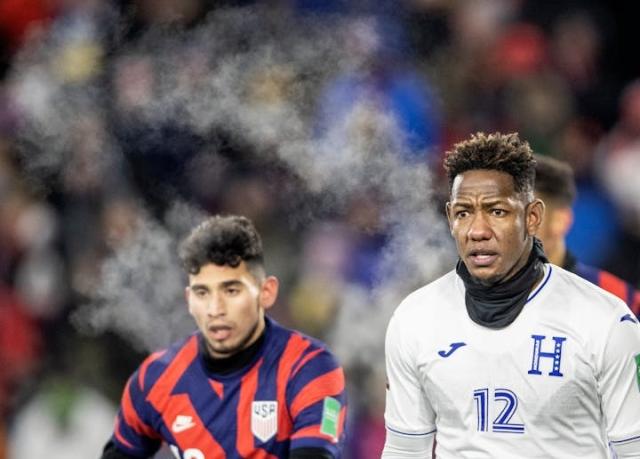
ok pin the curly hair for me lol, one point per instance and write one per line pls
(499, 152)
(223, 240)
(555, 180)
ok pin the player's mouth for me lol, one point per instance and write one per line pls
(219, 332)
(482, 258)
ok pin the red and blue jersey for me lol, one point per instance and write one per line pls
(290, 395)
(608, 282)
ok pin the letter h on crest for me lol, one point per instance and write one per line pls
(556, 355)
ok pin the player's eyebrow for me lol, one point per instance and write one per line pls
(231, 283)
(492, 201)
(199, 287)
(495, 202)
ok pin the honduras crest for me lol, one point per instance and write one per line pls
(264, 419)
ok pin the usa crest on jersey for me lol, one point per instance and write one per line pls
(264, 419)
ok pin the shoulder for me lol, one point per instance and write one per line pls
(280, 336)
(609, 282)
(428, 300)
(585, 295)
(294, 349)
(422, 315)
(310, 369)
(157, 363)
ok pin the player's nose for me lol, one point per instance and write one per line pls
(479, 228)
(216, 306)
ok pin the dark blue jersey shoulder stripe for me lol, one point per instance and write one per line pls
(422, 434)
(539, 289)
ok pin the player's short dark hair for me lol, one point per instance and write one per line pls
(499, 152)
(555, 180)
(223, 240)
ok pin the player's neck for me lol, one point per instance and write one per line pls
(498, 305)
(238, 361)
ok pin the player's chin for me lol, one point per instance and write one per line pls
(227, 345)
(222, 351)
(485, 275)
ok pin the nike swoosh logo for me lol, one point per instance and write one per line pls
(178, 427)
(454, 347)
(629, 318)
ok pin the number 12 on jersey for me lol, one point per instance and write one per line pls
(501, 422)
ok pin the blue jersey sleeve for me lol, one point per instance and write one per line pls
(317, 402)
(133, 432)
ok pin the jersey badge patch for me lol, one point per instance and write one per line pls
(330, 417)
(264, 419)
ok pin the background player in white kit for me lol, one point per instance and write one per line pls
(508, 356)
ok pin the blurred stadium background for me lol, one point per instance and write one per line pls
(122, 123)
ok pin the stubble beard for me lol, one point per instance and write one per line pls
(226, 351)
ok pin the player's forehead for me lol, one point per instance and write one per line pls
(483, 185)
(213, 275)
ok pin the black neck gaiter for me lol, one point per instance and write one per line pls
(228, 365)
(496, 306)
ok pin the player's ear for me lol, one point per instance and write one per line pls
(187, 290)
(448, 210)
(269, 291)
(534, 213)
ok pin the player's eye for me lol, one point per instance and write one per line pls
(200, 293)
(461, 214)
(498, 212)
(232, 291)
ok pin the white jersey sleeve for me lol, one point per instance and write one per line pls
(619, 380)
(409, 417)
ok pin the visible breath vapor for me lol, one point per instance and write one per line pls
(240, 75)
(141, 293)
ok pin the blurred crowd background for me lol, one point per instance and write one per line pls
(122, 119)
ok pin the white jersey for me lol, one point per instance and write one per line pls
(561, 381)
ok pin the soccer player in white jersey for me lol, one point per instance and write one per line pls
(508, 356)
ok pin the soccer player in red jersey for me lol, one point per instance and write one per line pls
(555, 185)
(242, 385)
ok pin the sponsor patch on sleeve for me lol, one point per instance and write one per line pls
(331, 417)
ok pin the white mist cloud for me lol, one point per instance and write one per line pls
(140, 291)
(238, 73)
